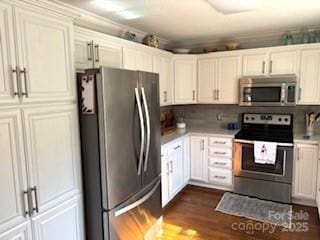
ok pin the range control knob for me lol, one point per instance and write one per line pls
(252, 118)
(286, 119)
(280, 119)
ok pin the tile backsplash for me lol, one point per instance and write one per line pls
(208, 115)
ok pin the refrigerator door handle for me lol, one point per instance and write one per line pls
(148, 128)
(141, 129)
(138, 202)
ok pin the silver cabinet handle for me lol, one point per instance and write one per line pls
(141, 130)
(298, 154)
(168, 168)
(146, 108)
(202, 144)
(177, 147)
(171, 168)
(89, 47)
(34, 191)
(220, 177)
(193, 95)
(24, 72)
(220, 142)
(15, 73)
(218, 94)
(97, 58)
(221, 153)
(165, 96)
(26, 200)
(263, 67)
(220, 163)
(300, 92)
(270, 67)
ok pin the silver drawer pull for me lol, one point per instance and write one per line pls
(220, 163)
(221, 153)
(220, 177)
(220, 142)
(177, 147)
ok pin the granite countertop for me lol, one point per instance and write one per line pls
(183, 132)
(222, 132)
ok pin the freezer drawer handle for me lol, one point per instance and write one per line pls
(137, 203)
(148, 129)
(142, 130)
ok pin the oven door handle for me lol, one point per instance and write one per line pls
(252, 142)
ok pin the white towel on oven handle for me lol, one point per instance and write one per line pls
(265, 152)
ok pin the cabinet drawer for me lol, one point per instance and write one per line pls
(220, 152)
(220, 163)
(220, 142)
(220, 176)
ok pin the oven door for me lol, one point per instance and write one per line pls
(262, 94)
(245, 166)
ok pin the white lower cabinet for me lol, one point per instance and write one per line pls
(305, 171)
(63, 222)
(199, 158)
(20, 232)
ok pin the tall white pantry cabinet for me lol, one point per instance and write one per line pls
(40, 173)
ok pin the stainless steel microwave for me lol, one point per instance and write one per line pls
(268, 91)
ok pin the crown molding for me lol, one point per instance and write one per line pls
(104, 25)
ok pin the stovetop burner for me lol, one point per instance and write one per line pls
(266, 127)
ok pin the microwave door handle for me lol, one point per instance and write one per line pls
(144, 98)
(141, 129)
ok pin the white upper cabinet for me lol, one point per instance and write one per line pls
(137, 60)
(229, 70)
(83, 53)
(13, 180)
(309, 77)
(163, 66)
(8, 79)
(185, 80)
(52, 146)
(254, 64)
(199, 158)
(283, 62)
(218, 80)
(45, 50)
(107, 54)
(207, 80)
(305, 171)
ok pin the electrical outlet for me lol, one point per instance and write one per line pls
(219, 116)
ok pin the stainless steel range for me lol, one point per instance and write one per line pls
(266, 181)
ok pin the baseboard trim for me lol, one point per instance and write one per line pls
(305, 202)
(208, 185)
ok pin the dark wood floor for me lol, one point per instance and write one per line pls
(191, 216)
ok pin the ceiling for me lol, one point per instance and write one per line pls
(197, 20)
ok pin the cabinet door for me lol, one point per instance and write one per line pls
(83, 54)
(185, 81)
(309, 77)
(305, 171)
(207, 79)
(255, 64)
(228, 80)
(53, 153)
(144, 61)
(129, 59)
(13, 181)
(186, 159)
(283, 62)
(45, 50)
(164, 176)
(8, 80)
(175, 157)
(107, 54)
(199, 155)
(63, 223)
(163, 66)
(21, 232)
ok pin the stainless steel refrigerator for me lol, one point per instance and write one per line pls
(120, 138)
